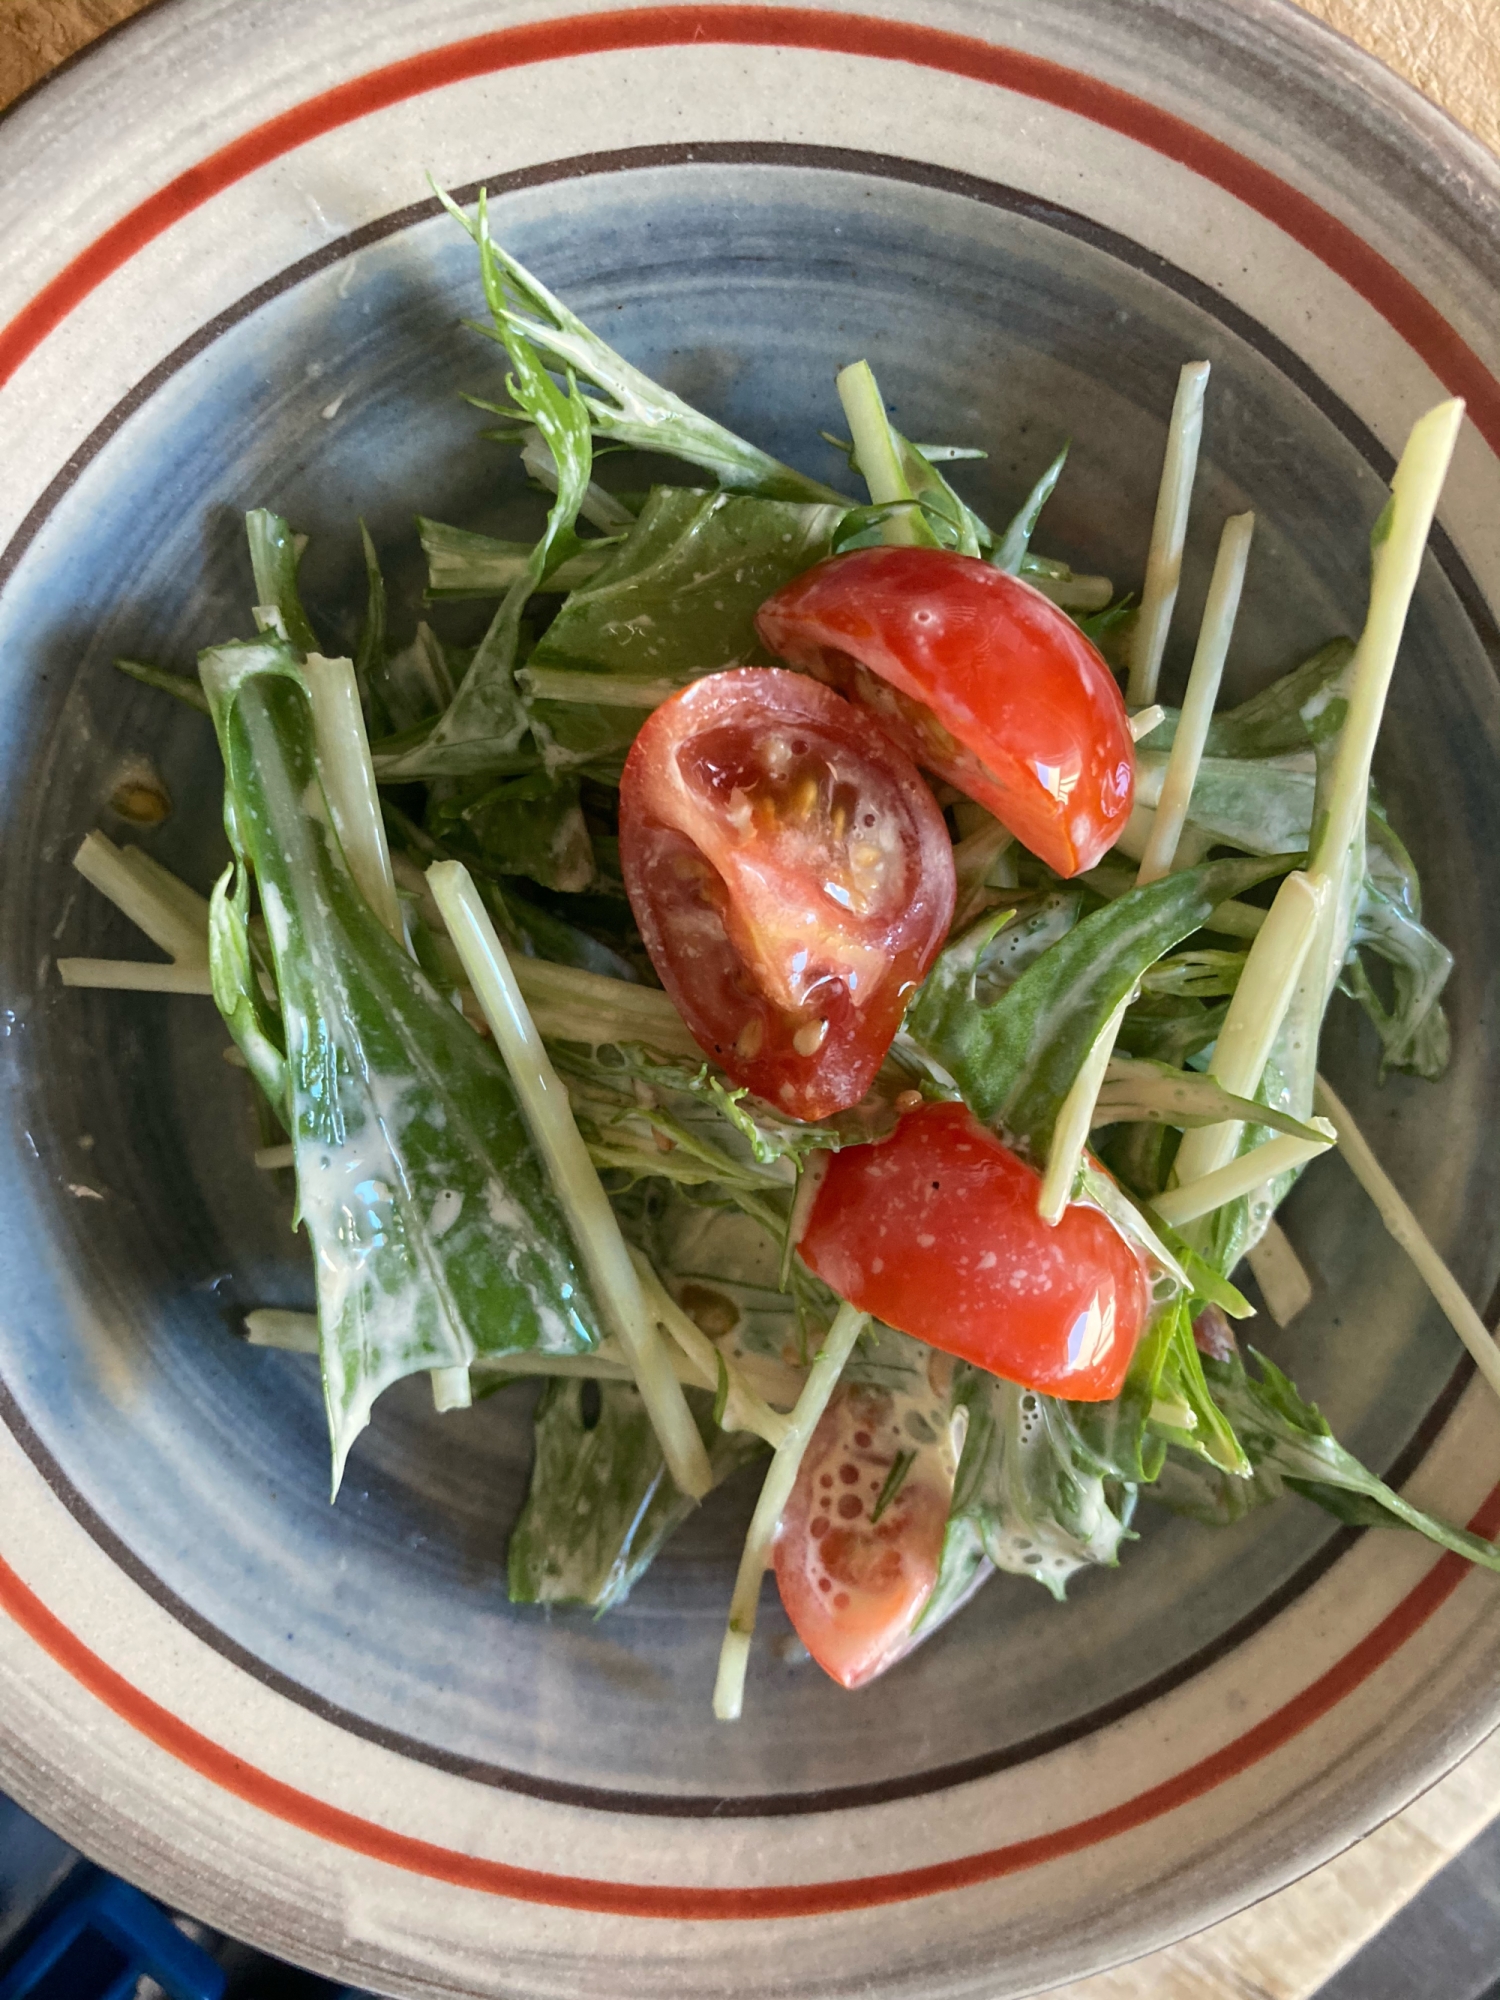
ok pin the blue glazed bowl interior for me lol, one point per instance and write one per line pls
(139, 1231)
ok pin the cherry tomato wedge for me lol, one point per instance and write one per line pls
(935, 1230)
(978, 677)
(791, 876)
(854, 1585)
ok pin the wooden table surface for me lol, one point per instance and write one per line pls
(1285, 1947)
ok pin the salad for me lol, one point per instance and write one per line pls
(781, 990)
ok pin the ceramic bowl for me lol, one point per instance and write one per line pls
(223, 284)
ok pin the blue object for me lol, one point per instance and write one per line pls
(99, 1940)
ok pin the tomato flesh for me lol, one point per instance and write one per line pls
(854, 1586)
(935, 1230)
(791, 876)
(979, 678)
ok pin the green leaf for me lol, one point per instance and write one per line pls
(484, 724)
(535, 932)
(1100, 624)
(238, 994)
(1289, 1444)
(1015, 1059)
(1269, 724)
(1134, 1090)
(1259, 808)
(892, 1484)
(677, 599)
(274, 557)
(1015, 541)
(534, 826)
(1116, 1437)
(435, 1232)
(953, 523)
(600, 1504)
(1413, 1030)
(1205, 975)
(1208, 1434)
(461, 564)
(370, 653)
(1029, 1488)
(1170, 1029)
(623, 405)
(1148, 1234)
(413, 686)
(1204, 1281)
(185, 688)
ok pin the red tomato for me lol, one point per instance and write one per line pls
(792, 878)
(978, 677)
(935, 1230)
(853, 1586)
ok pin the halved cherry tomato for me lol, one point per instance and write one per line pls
(935, 1230)
(791, 876)
(978, 677)
(854, 1586)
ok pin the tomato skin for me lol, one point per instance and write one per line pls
(792, 878)
(979, 678)
(935, 1230)
(854, 1587)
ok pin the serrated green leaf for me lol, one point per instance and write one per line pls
(677, 599)
(1289, 1444)
(533, 826)
(435, 1232)
(1016, 539)
(1015, 1060)
(1029, 1487)
(600, 1504)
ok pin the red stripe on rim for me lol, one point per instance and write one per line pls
(641, 1899)
(1393, 296)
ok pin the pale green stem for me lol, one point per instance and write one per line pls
(171, 914)
(602, 508)
(605, 1364)
(1273, 966)
(875, 450)
(1074, 593)
(1071, 1131)
(1198, 703)
(596, 690)
(1242, 1176)
(575, 1179)
(126, 975)
(571, 1005)
(1168, 533)
(450, 1389)
(1415, 487)
(349, 786)
(296, 1333)
(1145, 721)
(781, 1476)
(1284, 1284)
(1234, 919)
(1411, 1236)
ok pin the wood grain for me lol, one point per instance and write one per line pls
(1450, 49)
(36, 35)
(1285, 1947)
